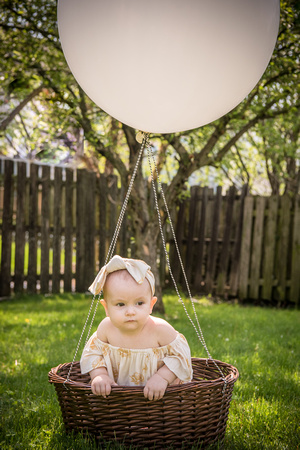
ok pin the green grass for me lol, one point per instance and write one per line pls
(39, 332)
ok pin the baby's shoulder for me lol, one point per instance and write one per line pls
(164, 331)
(103, 329)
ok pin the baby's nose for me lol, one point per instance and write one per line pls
(130, 311)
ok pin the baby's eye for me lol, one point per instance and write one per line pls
(140, 303)
(120, 304)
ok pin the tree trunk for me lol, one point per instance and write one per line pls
(146, 249)
(146, 231)
(293, 177)
(145, 227)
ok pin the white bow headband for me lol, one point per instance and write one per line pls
(137, 268)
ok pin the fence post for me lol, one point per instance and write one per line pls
(212, 254)
(57, 230)
(295, 276)
(45, 226)
(89, 238)
(179, 233)
(32, 242)
(269, 248)
(20, 228)
(224, 255)
(191, 231)
(80, 231)
(282, 259)
(68, 269)
(6, 231)
(234, 273)
(201, 243)
(102, 219)
(256, 250)
(245, 249)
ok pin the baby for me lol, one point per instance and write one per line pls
(131, 347)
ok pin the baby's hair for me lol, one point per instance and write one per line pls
(122, 274)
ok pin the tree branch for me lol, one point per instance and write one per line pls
(94, 140)
(201, 158)
(174, 140)
(24, 126)
(264, 114)
(242, 163)
(4, 124)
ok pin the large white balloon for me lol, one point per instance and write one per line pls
(168, 65)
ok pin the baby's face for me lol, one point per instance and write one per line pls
(127, 304)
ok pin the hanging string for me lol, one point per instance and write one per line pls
(119, 224)
(146, 143)
(197, 327)
(109, 254)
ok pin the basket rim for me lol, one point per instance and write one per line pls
(231, 377)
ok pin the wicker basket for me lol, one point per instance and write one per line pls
(192, 412)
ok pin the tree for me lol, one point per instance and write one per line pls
(271, 145)
(280, 146)
(35, 71)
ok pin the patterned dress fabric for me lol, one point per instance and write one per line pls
(133, 367)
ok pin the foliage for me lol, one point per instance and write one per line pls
(271, 147)
(38, 333)
(46, 115)
(49, 124)
(279, 145)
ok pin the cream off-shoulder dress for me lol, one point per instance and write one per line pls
(133, 367)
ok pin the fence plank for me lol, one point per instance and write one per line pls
(162, 255)
(81, 283)
(5, 276)
(283, 246)
(20, 228)
(212, 254)
(123, 232)
(68, 235)
(179, 233)
(198, 285)
(102, 219)
(89, 238)
(112, 202)
(224, 256)
(191, 232)
(235, 266)
(257, 247)
(57, 230)
(245, 248)
(269, 248)
(45, 234)
(32, 238)
(295, 270)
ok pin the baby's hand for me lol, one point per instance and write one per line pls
(101, 385)
(155, 387)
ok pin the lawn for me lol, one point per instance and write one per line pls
(39, 332)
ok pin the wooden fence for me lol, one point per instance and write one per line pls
(57, 223)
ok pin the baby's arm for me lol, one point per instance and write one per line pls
(101, 382)
(158, 383)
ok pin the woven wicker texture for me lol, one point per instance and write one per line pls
(193, 412)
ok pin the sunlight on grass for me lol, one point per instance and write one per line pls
(40, 332)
